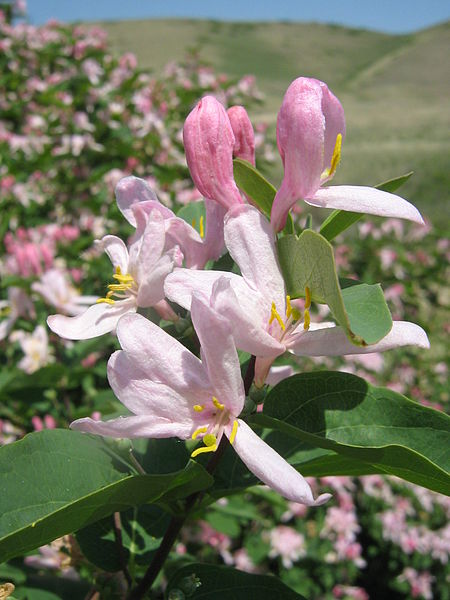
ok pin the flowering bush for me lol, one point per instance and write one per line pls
(222, 309)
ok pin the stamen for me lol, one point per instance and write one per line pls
(199, 407)
(217, 404)
(335, 159)
(307, 320)
(210, 440)
(194, 223)
(288, 307)
(307, 297)
(198, 431)
(201, 227)
(105, 300)
(234, 431)
(275, 315)
(203, 449)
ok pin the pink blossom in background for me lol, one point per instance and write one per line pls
(288, 544)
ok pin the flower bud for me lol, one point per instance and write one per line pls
(209, 140)
(244, 136)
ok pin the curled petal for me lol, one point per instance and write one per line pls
(271, 468)
(365, 200)
(96, 320)
(332, 341)
(116, 251)
(131, 190)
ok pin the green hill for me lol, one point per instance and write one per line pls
(394, 88)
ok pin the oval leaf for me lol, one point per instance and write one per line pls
(343, 413)
(56, 481)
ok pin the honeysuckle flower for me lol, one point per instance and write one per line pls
(197, 247)
(56, 290)
(172, 393)
(310, 131)
(209, 142)
(35, 348)
(263, 320)
(139, 273)
(17, 305)
(244, 136)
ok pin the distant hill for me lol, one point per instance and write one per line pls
(395, 88)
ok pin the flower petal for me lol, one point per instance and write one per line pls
(365, 200)
(129, 191)
(271, 468)
(116, 250)
(96, 320)
(251, 242)
(145, 397)
(162, 358)
(142, 426)
(182, 283)
(332, 341)
(219, 354)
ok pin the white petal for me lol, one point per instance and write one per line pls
(251, 241)
(141, 426)
(160, 356)
(219, 354)
(272, 469)
(116, 250)
(96, 320)
(332, 341)
(365, 200)
(129, 191)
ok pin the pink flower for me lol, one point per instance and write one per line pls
(310, 131)
(209, 142)
(244, 136)
(263, 320)
(172, 393)
(287, 543)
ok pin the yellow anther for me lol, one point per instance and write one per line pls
(105, 300)
(234, 431)
(201, 227)
(199, 407)
(203, 449)
(307, 320)
(199, 431)
(123, 278)
(296, 314)
(194, 223)
(275, 315)
(217, 404)
(119, 287)
(335, 159)
(307, 297)
(288, 307)
(210, 440)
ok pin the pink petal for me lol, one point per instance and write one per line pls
(96, 320)
(141, 426)
(145, 397)
(151, 289)
(219, 354)
(213, 241)
(182, 283)
(251, 242)
(365, 200)
(160, 356)
(129, 191)
(244, 136)
(332, 341)
(272, 469)
(278, 373)
(117, 252)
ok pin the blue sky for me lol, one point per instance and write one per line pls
(395, 16)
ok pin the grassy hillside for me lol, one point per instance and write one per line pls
(394, 88)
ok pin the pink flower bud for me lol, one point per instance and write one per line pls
(209, 141)
(244, 136)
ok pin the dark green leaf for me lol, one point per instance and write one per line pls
(345, 414)
(54, 482)
(210, 582)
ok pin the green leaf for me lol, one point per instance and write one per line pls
(345, 414)
(54, 482)
(210, 582)
(360, 310)
(339, 220)
(254, 185)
